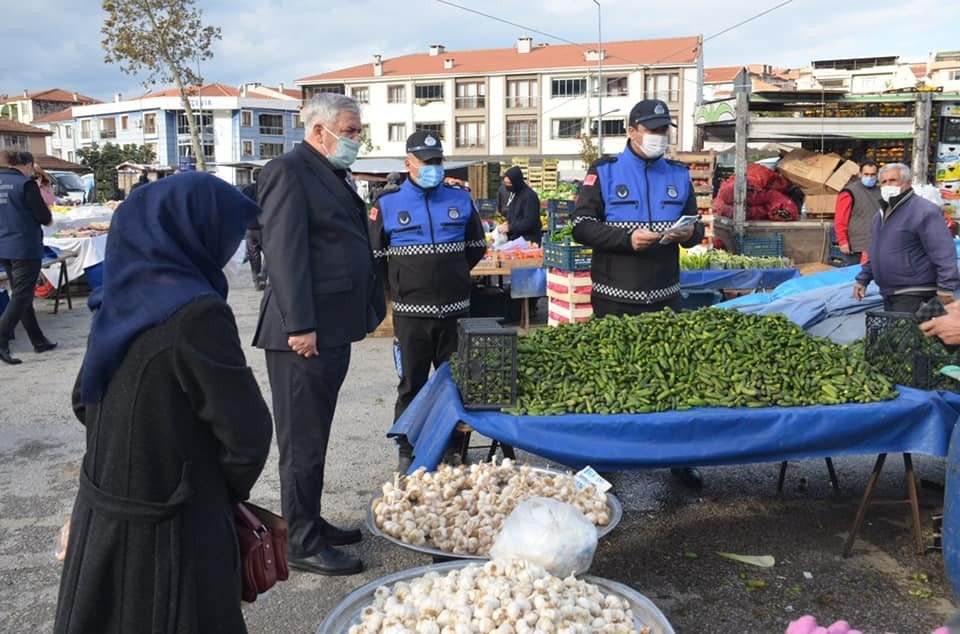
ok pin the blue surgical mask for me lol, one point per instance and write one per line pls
(429, 176)
(346, 152)
(869, 181)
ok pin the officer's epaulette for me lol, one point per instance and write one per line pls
(678, 163)
(387, 193)
(605, 159)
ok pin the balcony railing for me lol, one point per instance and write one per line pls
(271, 130)
(528, 139)
(467, 103)
(108, 134)
(471, 143)
(522, 102)
(670, 96)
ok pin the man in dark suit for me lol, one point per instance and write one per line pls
(322, 294)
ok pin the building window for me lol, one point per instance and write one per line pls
(471, 95)
(149, 124)
(185, 148)
(663, 86)
(568, 87)
(955, 75)
(310, 91)
(203, 120)
(68, 131)
(397, 94)
(567, 128)
(124, 122)
(243, 176)
(246, 118)
(297, 121)
(523, 93)
(522, 133)
(71, 156)
(397, 132)
(611, 127)
(108, 128)
(270, 150)
(15, 142)
(152, 147)
(360, 94)
(428, 92)
(673, 132)
(435, 129)
(615, 86)
(248, 148)
(85, 129)
(271, 124)
(364, 132)
(471, 134)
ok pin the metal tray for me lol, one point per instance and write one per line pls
(616, 514)
(348, 611)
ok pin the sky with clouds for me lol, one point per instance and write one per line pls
(56, 43)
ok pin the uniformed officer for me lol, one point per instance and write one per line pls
(627, 204)
(426, 237)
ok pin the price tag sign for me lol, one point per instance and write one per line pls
(587, 476)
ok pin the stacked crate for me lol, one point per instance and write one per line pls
(701, 166)
(568, 296)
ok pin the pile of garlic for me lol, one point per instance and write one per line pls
(461, 509)
(505, 597)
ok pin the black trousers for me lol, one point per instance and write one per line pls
(255, 254)
(424, 343)
(904, 303)
(304, 400)
(23, 281)
(603, 307)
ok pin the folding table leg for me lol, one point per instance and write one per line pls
(914, 502)
(66, 283)
(833, 475)
(464, 446)
(783, 475)
(864, 503)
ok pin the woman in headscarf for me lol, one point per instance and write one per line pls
(177, 430)
(520, 205)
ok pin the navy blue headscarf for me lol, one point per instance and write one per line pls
(168, 244)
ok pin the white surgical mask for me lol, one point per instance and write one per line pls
(654, 145)
(889, 191)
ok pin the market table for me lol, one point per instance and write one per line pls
(736, 278)
(90, 252)
(917, 421)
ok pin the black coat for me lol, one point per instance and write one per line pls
(521, 209)
(322, 275)
(181, 433)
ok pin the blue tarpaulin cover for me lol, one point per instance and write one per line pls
(916, 421)
(736, 278)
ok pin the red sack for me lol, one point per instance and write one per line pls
(726, 191)
(759, 177)
(781, 207)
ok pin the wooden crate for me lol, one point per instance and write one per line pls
(566, 312)
(385, 329)
(569, 287)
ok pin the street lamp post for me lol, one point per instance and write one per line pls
(599, 82)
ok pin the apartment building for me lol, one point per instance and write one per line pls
(533, 100)
(30, 106)
(243, 123)
(20, 136)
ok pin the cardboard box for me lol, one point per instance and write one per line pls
(839, 179)
(821, 204)
(808, 169)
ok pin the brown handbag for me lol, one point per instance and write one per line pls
(262, 537)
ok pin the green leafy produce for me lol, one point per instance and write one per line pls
(720, 260)
(705, 358)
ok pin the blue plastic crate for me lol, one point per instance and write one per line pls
(761, 246)
(487, 208)
(835, 256)
(559, 214)
(566, 256)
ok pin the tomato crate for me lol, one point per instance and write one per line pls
(485, 367)
(896, 347)
(567, 256)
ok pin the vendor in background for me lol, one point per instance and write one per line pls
(254, 237)
(22, 211)
(520, 205)
(426, 236)
(856, 206)
(45, 183)
(912, 257)
(626, 204)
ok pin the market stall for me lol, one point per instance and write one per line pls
(82, 231)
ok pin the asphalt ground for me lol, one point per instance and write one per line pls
(665, 547)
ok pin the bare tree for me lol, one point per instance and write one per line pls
(161, 38)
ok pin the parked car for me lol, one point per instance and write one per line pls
(69, 186)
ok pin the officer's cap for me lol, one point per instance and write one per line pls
(424, 145)
(651, 114)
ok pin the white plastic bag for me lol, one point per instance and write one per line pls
(234, 267)
(548, 533)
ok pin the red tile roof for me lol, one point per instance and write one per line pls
(61, 115)
(9, 125)
(48, 162)
(680, 50)
(52, 94)
(223, 90)
(720, 74)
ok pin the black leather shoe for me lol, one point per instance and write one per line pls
(689, 476)
(339, 536)
(6, 357)
(329, 561)
(45, 346)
